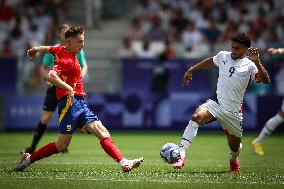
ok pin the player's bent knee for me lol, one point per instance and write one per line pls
(197, 118)
(45, 118)
(281, 114)
(45, 121)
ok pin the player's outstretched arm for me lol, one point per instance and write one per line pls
(263, 75)
(53, 78)
(273, 51)
(207, 63)
(40, 49)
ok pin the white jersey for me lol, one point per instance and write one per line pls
(233, 80)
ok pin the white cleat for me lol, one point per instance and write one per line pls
(130, 164)
(24, 162)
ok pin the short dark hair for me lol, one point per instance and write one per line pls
(73, 31)
(242, 38)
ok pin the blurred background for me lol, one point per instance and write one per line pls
(137, 52)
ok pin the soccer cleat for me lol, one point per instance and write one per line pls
(234, 166)
(179, 164)
(27, 150)
(257, 148)
(130, 164)
(24, 162)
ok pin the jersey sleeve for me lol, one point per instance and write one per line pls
(217, 59)
(254, 72)
(82, 59)
(55, 49)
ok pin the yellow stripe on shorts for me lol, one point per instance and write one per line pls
(64, 110)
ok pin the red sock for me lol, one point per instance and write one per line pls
(44, 152)
(111, 149)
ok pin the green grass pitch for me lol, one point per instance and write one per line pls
(87, 166)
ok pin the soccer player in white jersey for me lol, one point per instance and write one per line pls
(273, 122)
(236, 69)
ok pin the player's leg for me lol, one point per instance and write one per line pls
(49, 107)
(235, 147)
(62, 143)
(39, 131)
(97, 128)
(200, 117)
(66, 128)
(232, 125)
(268, 128)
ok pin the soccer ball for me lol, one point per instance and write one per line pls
(170, 153)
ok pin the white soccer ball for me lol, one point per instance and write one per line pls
(170, 153)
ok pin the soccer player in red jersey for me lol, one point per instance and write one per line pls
(72, 108)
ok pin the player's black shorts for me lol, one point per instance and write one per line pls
(50, 101)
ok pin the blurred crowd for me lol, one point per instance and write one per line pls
(196, 28)
(160, 29)
(26, 23)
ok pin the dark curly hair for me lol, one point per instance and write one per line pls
(242, 38)
(73, 31)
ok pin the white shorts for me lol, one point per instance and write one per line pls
(282, 107)
(229, 120)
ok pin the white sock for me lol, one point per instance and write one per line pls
(123, 161)
(269, 127)
(188, 136)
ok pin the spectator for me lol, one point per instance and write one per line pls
(146, 9)
(35, 37)
(157, 32)
(272, 39)
(178, 24)
(145, 51)
(6, 49)
(212, 33)
(191, 37)
(93, 13)
(135, 31)
(18, 42)
(126, 51)
(41, 20)
(6, 12)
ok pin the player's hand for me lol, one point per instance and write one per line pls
(187, 78)
(272, 51)
(32, 53)
(70, 97)
(253, 54)
(49, 85)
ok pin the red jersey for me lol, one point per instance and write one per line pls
(68, 69)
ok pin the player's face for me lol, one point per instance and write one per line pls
(76, 43)
(238, 50)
